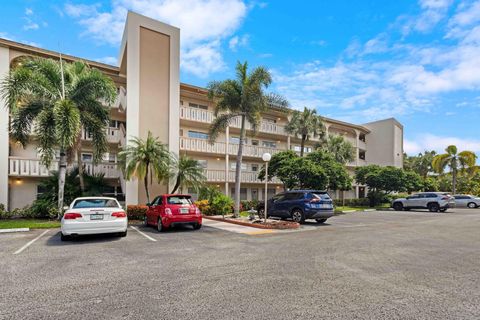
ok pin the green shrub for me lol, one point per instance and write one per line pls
(208, 193)
(4, 214)
(42, 208)
(136, 212)
(204, 207)
(221, 204)
(249, 204)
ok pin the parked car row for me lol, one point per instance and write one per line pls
(435, 201)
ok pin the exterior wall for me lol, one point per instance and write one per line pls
(23, 191)
(385, 143)
(4, 69)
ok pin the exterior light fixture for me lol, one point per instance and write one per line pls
(266, 157)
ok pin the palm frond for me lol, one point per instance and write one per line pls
(219, 124)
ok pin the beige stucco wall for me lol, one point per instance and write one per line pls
(22, 192)
(385, 143)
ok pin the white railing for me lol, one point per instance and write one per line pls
(246, 176)
(206, 116)
(113, 135)
(202, 145)
(34, 168)
(122, 135)
(121, 100)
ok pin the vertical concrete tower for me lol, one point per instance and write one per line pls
(149, 58)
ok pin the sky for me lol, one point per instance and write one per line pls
(357, 61)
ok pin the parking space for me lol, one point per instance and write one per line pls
(350, 263)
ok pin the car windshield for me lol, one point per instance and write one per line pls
(95, 203)
(179, 200)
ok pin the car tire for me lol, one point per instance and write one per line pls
(298, 216)
(433, 207)
(160, 226)
(321, 220)
(64, 237)
(471, 205)
(398, 206)
(123, 234)
(197, 226)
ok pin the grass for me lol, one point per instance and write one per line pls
(29, 223)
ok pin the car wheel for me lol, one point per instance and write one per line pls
(197, 226)
(64, 237)
(297, 216)
(433, 207)
(123, 234)
(398, 206)
(471, 205)
(321, 220)
(160, 226)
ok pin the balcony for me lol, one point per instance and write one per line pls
(33, 168)
(202, 145)
(113, 135)
(206, 116)
(246, 177)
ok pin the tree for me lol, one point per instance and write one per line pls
(55, 98)
(243, 97)
(306, 125)
(342, 149)
(145, 159)
(455, 161)
(338, 177)
(187, 173)
(382, 181)
(421, 163)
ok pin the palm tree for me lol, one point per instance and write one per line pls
(144, 159)
(455, 161)
(188, 173)
(242, 97)
(56, 98)
(342, 149)
(306, 125)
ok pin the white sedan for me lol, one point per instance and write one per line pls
(93, 215)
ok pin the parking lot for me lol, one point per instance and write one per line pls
(371, 265)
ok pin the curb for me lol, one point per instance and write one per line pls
(246, 224)
(14, 230)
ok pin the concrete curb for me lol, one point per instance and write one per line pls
(252, 225)
(14, 230)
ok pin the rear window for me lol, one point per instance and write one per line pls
(321, 195)
(95, 203)
(179, 200)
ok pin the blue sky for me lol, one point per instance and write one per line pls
(358, 61)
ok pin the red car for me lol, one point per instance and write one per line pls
(173, 209)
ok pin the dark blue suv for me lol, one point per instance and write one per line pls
(299, 205)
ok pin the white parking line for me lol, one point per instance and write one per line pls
(30, 242)
(143, 234)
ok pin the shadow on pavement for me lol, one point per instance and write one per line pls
(54, 240)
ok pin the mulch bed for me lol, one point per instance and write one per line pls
(271, 224)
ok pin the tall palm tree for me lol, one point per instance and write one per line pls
(455, 161)
(55, 99)
(145, 159)
(342, 149)
(243, 97)
(188, 173)
(306, 125)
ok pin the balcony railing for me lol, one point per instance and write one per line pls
(113, 135)
(206, 116)
(202, 145)
(34, 168)
(246, 176)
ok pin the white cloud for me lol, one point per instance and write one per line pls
(31, 26)
(203, 24)
(108, 60)
(28, 11)
(238, 41)
(428, 141)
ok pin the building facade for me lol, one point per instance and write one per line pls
(151, 98)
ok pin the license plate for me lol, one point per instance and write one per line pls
(96, 217)
(183, 210)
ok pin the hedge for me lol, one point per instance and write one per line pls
(136, 212)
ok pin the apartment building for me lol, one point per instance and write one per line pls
(151, 98)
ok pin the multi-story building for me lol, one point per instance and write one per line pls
(151, 98)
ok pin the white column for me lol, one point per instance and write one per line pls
(227, 158)
(4, 145)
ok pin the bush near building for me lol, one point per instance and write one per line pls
(136, 212)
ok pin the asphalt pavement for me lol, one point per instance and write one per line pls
(372, 265)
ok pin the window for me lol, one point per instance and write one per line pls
(254, 194)
(293, 196)
(197, 106)
(95, 203)
(254, 167)
(269, 120)
(361, 137)
(276, 197)
(179, 200)
(254, 142)
(234, 140)
(299, 149)
(40, 190)
(157, 201)
(233, 166)
(197, 135)
(269, 144)
(110, 157)
(243, 193)
(87, 157)
(361, 154)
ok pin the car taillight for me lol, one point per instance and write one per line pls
(71, 216)
(168, 212)
(197, 211)
(119, 214)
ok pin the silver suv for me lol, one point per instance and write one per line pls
(433, 201)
